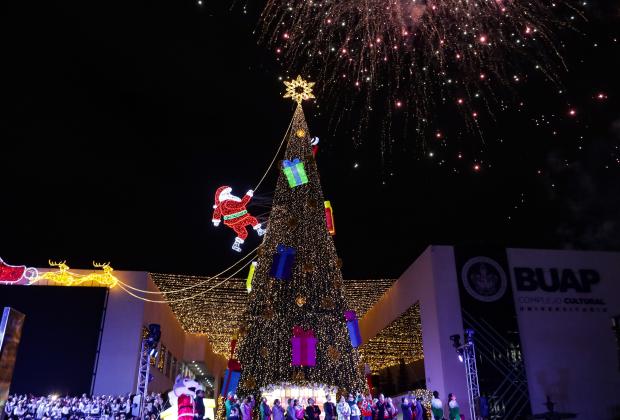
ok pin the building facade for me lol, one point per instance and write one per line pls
(542, 322)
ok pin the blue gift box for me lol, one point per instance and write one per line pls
(231, 381)
(283, 259)
(354, 328)
(354, 333)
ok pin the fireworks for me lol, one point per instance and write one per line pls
(418, 54)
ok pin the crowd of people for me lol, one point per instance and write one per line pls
(352, 408)
(103, 407)
(24, 407)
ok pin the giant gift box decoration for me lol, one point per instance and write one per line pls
(329, 218)
(231, 381)
(354, 329)
(295, 172)
(303, 347)
(233, 373)
(283, 259)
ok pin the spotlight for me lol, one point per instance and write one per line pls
(460, 357)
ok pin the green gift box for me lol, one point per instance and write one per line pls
(295, 172)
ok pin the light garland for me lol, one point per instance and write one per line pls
(221, 408)
(401, 339)
(229, 298)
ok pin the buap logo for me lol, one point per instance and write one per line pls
(484, 279)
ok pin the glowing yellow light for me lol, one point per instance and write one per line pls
(299, 90)
(300, 300)
(300, 133)
(64, 277)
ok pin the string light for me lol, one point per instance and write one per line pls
(228, 300)
(400, 340)
(186, 298)
(184, 288)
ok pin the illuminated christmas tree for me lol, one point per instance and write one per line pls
(295, 333)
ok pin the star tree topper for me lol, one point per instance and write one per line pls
(299, 89)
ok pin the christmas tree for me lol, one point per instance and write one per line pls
(309, 299)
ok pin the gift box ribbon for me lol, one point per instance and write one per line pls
(299, 332)
(350, 315)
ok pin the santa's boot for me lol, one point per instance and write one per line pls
(238, 241)
(260, 231)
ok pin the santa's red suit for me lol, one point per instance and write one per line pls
(233, 210)
(186, 407)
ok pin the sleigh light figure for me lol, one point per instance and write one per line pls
(233, 210)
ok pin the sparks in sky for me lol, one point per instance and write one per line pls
(430, 52)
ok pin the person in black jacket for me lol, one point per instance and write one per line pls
(329, 408)
(199, 404)
(380, 407)
(313, 412)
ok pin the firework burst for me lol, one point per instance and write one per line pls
(416, 55)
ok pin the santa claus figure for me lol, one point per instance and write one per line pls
(181, 398)
(232, 209)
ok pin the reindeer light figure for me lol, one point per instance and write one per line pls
(64, 277)
(106, 278)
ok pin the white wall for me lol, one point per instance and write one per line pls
(431, 281)
(570, 354)
(442, 319)
(120, 342)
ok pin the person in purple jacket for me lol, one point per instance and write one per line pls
(246, 408)
(277, 411)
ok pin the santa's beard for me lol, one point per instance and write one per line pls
(231, 197)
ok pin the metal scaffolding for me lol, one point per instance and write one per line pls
(471, 372)
(143, 375)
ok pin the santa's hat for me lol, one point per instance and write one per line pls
(220, 193)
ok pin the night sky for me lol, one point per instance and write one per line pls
(120, 120)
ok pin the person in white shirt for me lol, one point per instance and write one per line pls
(436, 406)
(343, 409)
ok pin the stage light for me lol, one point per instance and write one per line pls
(460, 358)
